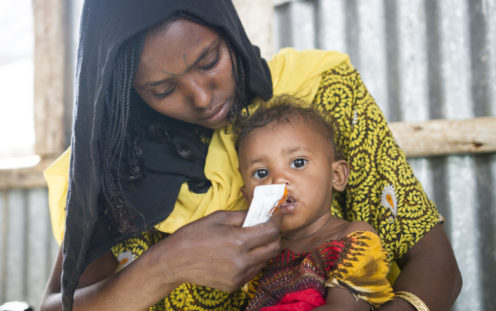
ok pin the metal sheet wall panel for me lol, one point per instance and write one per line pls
(28, 249)
(421, 60)
(16, 245)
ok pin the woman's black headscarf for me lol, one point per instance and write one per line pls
(105, 26)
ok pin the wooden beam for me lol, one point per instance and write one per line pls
(29, 177)
(446, 137)
(49, 76)
(417, 139)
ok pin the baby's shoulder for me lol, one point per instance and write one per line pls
(357, 226)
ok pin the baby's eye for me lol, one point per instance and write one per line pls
(261, 173)
(299, 163)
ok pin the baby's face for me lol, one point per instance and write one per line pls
(293, 153)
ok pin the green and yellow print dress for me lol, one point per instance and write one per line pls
(382, 189)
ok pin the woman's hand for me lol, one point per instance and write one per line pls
(216, 252)
(213, 251)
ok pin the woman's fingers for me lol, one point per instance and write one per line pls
(264, 238)
(228, 218)
(227, 224)
(261, 234)
(255, 261)
(216, 251)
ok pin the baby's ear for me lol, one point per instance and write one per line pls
(340, 170)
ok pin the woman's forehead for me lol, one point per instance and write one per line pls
(175, 20)
(173, 49)
(177, 35)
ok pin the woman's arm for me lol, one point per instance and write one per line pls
(429, 270)
(99, 288)
(213, 251)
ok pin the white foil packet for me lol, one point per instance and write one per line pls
(266, 199)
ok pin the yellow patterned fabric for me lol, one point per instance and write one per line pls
(363, 269)
(382, 189)
(299, 73)
(186, 296)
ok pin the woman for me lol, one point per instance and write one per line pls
(157, 85)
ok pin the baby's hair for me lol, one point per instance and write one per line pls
(280, 109)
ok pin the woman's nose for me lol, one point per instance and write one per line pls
(200, 92)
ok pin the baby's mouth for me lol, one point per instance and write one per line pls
(288, 205)
(289, 200)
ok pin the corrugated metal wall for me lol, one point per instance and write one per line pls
(422, 60)
(28, 249)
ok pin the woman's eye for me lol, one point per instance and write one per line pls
(261, 173)
(299, 163)
(211, 63)
(164, 94)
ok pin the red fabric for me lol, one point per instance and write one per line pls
(303, 300)
(297, 281)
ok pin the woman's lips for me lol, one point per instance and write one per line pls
(219, 112)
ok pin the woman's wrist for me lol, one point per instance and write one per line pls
(397, 304)
(157, 260)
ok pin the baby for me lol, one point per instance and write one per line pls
(325, 261)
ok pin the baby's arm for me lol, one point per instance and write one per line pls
(359, 279)
(342, 299)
